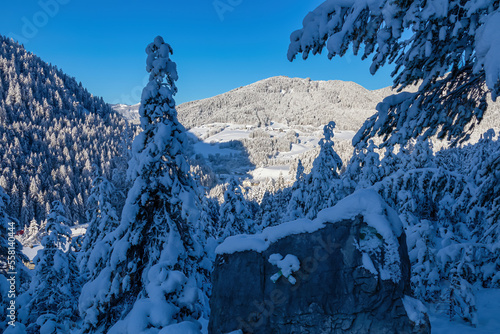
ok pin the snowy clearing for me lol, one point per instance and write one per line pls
(272, 172)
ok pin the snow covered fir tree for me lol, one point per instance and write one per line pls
(49, 306)
(235, 215)
(310, 193)
(161, 229)
(102, 219)
(151, 272)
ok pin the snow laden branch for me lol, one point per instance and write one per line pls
(450, 48)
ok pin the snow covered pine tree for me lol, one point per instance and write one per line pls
(150, 282)
(449, 47)
(102, 219)
(51, 305)
(311, 192)
(235, 216)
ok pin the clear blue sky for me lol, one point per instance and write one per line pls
(101, 43)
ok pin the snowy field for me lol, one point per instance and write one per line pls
(212, 140)
(298, 149)
(30, 252)
(272, 172)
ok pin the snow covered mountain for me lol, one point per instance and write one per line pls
(290, 101)
(129, 112)
(54, 134)
(264, 128)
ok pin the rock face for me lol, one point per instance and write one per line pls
(339, 288)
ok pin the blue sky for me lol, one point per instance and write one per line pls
(218, 45)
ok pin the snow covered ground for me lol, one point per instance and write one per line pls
(129, 112)
(272, 172)
(30, 252)
(76, 231)
(215, 139)
(488, 300)
(298, 149)
(488, 307)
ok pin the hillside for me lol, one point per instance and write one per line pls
(54, 133)
(261, 130)
(264, 128)
(292, 101)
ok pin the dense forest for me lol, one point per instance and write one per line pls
(54, 136)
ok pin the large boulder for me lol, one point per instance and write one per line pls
(345, 272)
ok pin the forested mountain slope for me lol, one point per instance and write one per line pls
(52, 133)
(291, 101)
(276, 121)
(295, 101)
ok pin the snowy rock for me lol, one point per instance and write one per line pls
(346, 281)
(287, 266)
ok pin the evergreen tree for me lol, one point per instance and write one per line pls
(417, 155)
(299, 175)
(31, 234)
(328, 163)
(370, 172)
(152, 274)
(312, 192)
(389, 163)
(296, 207)
(269, 213)
(102, 219)
(324, 174)
(426, 276)
(52, 307)
(234, 215)
(460, 296)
